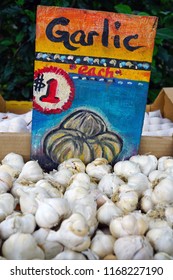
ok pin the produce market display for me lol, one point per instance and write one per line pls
(91, 211)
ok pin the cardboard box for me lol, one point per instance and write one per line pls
(158, 146)
(15, 142)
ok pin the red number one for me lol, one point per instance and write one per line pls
(51, 92)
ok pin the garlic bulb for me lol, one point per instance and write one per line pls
(75, 165)
(126, 168)
(10, 170)
(161, 239)
(147, 163)
(109, 184)
(156, 176)
(75, 229)
(146, 202)
(163, 191)
(169, 215)
(31, 172)
(51, 211)
(68, 254)
(102, 244)
(62, 176)
(17, 222)
(14, 160)
(139, 183)
(131, 224)
(127, 201)
(22, 246)
(165, 162)
(50, 191)
(7, 204)
(98, 168)
(50, 248)
(107, 212)
(17, 124)
(5, 182)
(133, 247)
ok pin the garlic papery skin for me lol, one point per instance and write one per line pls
(50, 248)
(22, 246)
(133, 247)
(163, 192)
(68, 254)
(7, 204)
(14, 160)
(102, 244)
(161, 239)
(126, 168)
(127, 201)
(75, 228)
(165, 162)
(51, 211)
(51, 191)
(98, 168)
(146, 202)
(87, 207)
(147, 163)
(62, 176)
(156, 176)
(162, 256)
(75, 165)
(109, 184)
(169, 215)
(31, 172)
(17, 222)
(10, 170)
(131, 224)
(139, 183)
(107, 212)
(5, 182)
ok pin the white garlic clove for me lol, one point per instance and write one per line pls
(75, 165)
(14, 160)
(107, 212)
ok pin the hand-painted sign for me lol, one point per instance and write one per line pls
(92, 71)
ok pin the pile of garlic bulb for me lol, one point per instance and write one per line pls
(155, 125)
(11, 122)
(87, 212)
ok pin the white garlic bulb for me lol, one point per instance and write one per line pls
(50, 248)
(75, 165)
(5, 182)
(131, 224)
(146, 202)
(68, 254)
(98, 168)
(109, 184)
(163, 191)
(107, 212)
(17, 222)
(161, 239)
(133, 247)
(147, 163)
(102, 244)
(17, 124)
(75, 229)
(31, 172)
(22, 246)
(139, 183)
(165, 162)
(7, 204)
(127, 201)
(126, 168)
(162, 256)
(14, 160)
(51, 211)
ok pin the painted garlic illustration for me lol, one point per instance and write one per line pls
(84, 135)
